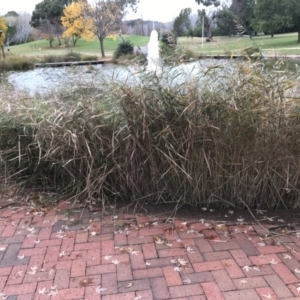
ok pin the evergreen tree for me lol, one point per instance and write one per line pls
(46, 17)
(268, 16)
(292, 13)
(208, 3)
(244, 11)
(226, 21)
(182, 23)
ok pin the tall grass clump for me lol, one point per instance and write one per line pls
(89, 57)
(17, 63)
(70, 56)
(228, 135)
(23, 63)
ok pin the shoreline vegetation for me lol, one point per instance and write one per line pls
(25, 56)
(229, 136)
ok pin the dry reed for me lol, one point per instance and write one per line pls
(231, 133)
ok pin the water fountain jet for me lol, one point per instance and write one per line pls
(154, 61)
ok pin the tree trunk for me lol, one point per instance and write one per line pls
(102, 47)
(298, 35)
(59, 41)
(50, 41)
(121, 36)
(74, 39)
(3, 53)
(272, 34)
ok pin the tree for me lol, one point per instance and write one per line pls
(244, 11)
(191, 33)
(226, 21)
(124, 4)
(23, 29)
(268, 16)
(47, 16)
(19, 30)
(3, 29)
(208, 3)
(77, 26)
(10, 21)
(277, 14)
(106, 17)
(209, 19)
(11, 13)
(182, 23)
(292, 13)
(48, 31)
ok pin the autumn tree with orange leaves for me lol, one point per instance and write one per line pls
(3, 29)
(76, 24)
(101, 19)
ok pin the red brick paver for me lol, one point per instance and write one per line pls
(139, 257)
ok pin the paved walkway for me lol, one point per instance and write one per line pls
(75, 254)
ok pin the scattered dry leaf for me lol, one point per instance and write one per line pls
(180, 228)
(158, 240)
(85, 282)
(211, 237)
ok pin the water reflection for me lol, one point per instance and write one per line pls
(49, 80)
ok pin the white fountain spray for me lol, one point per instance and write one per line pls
(154, 61)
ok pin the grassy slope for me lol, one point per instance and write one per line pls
(280, 44)
(82, 46)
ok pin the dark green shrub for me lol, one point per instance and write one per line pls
(124, 48)
(166, 51)
(169, 38)
(198, 31)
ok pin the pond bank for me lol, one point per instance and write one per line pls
(220, 56)
(73, 63)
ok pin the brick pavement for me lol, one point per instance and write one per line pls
(71, 253)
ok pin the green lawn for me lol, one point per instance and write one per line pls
(42, 47)
(280, 44)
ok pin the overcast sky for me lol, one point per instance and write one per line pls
(159, 10)
(162, 10)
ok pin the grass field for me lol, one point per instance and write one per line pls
(284, 44)
(42, 47)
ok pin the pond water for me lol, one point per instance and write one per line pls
(49, 80)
